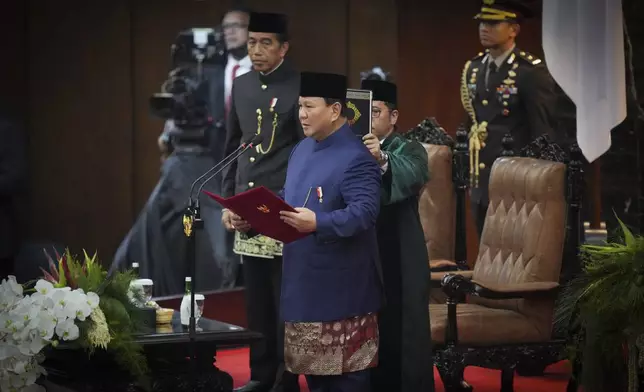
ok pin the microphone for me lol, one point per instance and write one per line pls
(192, 222)
(217, 165)
(256, 140)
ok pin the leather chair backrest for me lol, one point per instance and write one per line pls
(524, 233)
(437, 204)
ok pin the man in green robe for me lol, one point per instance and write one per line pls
(405, 359)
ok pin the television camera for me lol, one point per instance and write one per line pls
(199, 46)
(375, 73)
(184, 97)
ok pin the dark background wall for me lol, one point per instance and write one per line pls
(619, 188)
(80, 74)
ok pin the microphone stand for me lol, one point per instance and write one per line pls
(192, 222)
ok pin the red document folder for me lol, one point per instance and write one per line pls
(261, 209)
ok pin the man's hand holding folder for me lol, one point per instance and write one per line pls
(262, 210)
(302, 220)
(233, 221)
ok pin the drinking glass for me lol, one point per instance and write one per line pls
(143, 289)
(200, 300)
(148, 287)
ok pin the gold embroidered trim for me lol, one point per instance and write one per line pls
(259, 147)
(258, 246)
(478, 132)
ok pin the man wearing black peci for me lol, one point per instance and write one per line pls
(503, 90)
(264, 101)
(405, 356)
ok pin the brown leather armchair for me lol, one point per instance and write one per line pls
(439, 199)
(511, 292)
(437, 206)
(437, 211)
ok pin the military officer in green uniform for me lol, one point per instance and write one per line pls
(504, 90)
(264, 101)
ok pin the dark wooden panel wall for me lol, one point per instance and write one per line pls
(82, 151)
(13, 73)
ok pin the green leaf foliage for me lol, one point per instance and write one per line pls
(602, 310)
(123, 318)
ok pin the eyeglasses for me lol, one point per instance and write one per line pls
(375, 113)
(234, 26)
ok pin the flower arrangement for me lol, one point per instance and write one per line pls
(75, 304)
(603, 311)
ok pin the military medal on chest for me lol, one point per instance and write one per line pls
(271, 109)
(319, 192)
(508, 88)
(472, 83)
(505, 92)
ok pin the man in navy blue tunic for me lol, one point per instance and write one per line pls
(331, 286)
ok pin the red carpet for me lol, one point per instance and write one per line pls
(235, 362)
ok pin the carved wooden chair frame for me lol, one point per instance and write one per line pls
(430, 132)
(530, 358)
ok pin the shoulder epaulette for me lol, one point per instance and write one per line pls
(478, 56)
(527, 57)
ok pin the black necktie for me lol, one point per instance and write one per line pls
(491, 71)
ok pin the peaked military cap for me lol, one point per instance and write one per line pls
(323, 85)
(382, 90)
(265, 22)
(504, 11)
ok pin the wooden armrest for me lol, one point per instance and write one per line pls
(517, 290)
(441, 263)
(457, 287)
(438, 276)
(440, 267)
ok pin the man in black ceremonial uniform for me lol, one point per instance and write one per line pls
(405, 356)
(503, 90)
(264, 101)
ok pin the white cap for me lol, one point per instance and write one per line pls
(188, 279)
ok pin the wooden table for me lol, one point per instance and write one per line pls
(168, 354)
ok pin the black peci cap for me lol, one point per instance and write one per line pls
(382, 90)
(264, 22)
(323, 85)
